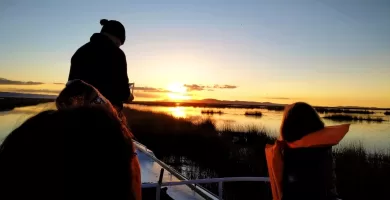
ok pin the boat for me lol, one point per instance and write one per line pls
(156, 174)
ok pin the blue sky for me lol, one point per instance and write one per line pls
(324, 52)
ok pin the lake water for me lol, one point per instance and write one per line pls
(374, 136)
(9, 120)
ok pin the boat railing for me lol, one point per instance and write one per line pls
(193, 184)
(220, 182)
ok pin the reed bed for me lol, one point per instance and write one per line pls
(199, 150)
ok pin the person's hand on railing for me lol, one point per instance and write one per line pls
(131, 97)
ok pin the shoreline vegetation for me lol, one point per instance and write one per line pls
(9, 103)
(344, 111)
(201, 151)
(349, 118)
(211, 112)
(254, 113)
(256, 105)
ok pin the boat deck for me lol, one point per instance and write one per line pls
(150, 172)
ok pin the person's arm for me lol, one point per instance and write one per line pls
(74, 72)
(123, 80)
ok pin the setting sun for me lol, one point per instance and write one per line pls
(177, 88)
(177, 92)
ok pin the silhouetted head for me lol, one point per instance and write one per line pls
(79, 93)
(75, 153)
(115, 30)
(299, 120)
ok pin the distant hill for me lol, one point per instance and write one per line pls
(4, 81)
(203, 102)
(239, 104)
(236, 102)
(25, 95)
(255, 103)
(212, 103)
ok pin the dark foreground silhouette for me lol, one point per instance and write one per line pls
(101, 63)
(76, 153)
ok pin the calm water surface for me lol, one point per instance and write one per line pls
(374, 136)
(9, 120)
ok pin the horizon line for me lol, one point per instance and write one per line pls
(48, 96)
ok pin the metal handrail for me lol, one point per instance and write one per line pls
(220, 182)
(209, 180)
(201, 191)
(192, 183)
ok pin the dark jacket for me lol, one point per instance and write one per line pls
(309, 174)
(102, 64)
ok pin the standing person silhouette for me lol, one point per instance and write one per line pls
(102, 63)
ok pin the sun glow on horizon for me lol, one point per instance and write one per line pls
(177, 88)
(178, 92)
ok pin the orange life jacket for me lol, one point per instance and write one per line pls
(329, 136)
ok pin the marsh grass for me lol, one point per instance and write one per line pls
(346, 111)
(275, 108)
(254, 113)
(347, 118)
(212, 112)
(199, 150)
(362, 175)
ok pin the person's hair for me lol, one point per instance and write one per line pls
(299, 120)
(75, 153)
(114, 28)
(78, 93)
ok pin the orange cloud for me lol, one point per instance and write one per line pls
(146, 95)
(150, 89)
(33, 91)
(196, 87)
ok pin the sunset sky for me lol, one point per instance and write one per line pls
(324, 52)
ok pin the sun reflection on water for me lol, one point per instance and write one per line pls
(178, 112)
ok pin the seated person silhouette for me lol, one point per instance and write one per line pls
(78, 93)
(74, 153)
(300, 163)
